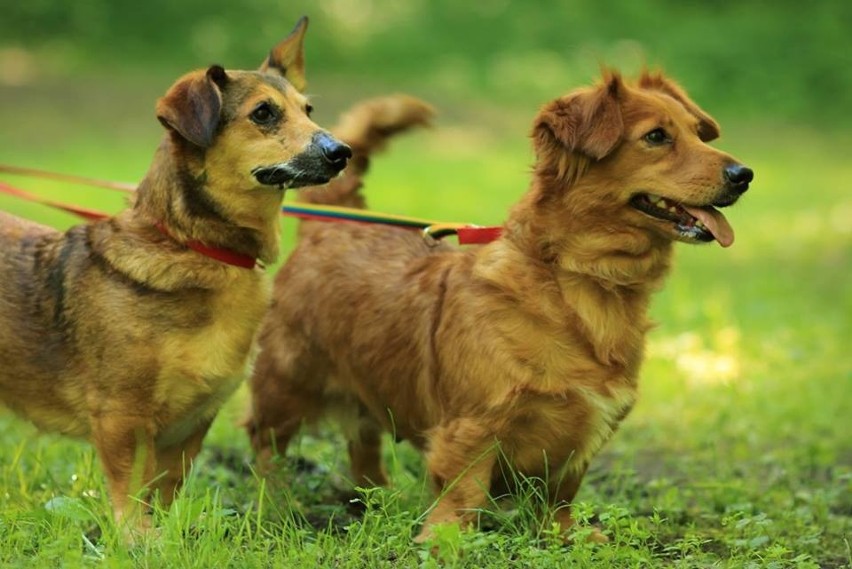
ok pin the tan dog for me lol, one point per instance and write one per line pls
(132, 332)
(517, 357)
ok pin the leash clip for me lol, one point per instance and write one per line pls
(433, 234)
(467, 234)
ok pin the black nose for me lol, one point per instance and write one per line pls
(333, 150)
(739, 176)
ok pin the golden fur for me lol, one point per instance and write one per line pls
(520, 356)
(117, 332)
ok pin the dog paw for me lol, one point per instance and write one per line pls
(588, 534)
(596, 536)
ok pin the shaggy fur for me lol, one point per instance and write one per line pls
(517, 357)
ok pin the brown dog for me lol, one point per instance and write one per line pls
(517, 357)
(132, 332)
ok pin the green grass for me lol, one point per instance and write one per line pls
(737, 455)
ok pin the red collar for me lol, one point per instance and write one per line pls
(222, 255)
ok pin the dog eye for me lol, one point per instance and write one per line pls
(309, 109)
(262, 114)
(657, 136)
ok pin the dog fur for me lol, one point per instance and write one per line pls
(119, 333)
(517, 357)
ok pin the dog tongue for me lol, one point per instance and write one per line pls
(715, 222)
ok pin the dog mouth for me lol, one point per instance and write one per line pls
(324, 159)
(287, 176)
(691, 223)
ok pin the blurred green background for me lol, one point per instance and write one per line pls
(784, 58)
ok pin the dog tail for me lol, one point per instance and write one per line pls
(366, 128)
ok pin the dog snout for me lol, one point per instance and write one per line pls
(335, 152)
(738, 177)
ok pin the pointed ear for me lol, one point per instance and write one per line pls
(708, 128)
(587, 122)
(192, 106)
(288, 57)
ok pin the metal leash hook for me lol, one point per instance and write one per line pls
(433, 234)
(466, 233)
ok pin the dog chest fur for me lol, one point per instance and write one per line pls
(540, 432)
(206, 366)
(552, 389)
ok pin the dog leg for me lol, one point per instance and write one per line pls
(275, 420)
(460, 462)
(287, 391)
(561, 492)
(174, 463)
(365, 455)
(125, 445)
(271, 428)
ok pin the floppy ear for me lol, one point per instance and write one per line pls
(588, 122)
(708, 128)
(288, 57)
(192, 106)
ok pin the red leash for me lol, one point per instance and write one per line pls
(36, 173)
(82, 212)
(222, 255)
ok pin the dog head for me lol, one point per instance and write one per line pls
(636, 157)
(250, 129)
